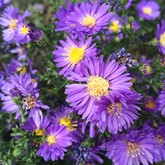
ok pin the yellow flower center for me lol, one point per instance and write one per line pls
(24, 29)
(162, 39)
(111, 108)
(115, 27)
(89, 21)
(97, 86)
(51, 139)
(150, 104)
(147, 10)
(13, 24)
(66, 121)
(21, 70)
(76, 55)
(133, 149)
(39, 132)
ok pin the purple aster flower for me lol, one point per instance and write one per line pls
(151, 104)
(25, 95)
(72, 53)
(15, 66)
(99, 79)
(132, 148)
(21, 52)
(89, 18)
(3, 3)
(115, 23)
(148, 10)
(63, 24)
(10, 20)
(22, 34)
(161, 101)
(63, 117)
(117, 111)
(160, 35)
(37, 125)
(54, 146)
(160, 145)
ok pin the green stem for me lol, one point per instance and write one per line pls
(22, 114)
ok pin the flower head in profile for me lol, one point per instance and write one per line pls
(55, 143)
(148, 10)
(89, 18)
(72, 53)
(160, 35)
(132, 148)
(98, 79)
(116, 112)
(20, 90)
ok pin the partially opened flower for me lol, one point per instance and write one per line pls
(160, 35)
(148, 10)
(55, 143)
(98, 79)
(71, 53)
(89, 18)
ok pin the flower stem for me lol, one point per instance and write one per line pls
(22, 114)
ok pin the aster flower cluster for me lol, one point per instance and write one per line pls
(89, 90)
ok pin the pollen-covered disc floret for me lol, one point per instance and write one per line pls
(99, 79)
(97, 86)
